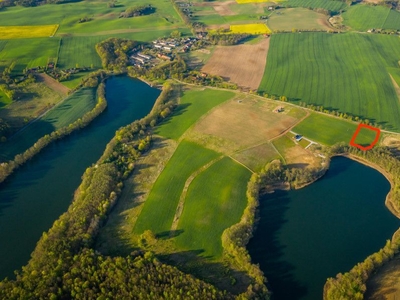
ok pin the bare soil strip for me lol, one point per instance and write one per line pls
(241, 64)
(53, 84)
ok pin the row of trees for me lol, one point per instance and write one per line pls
(235, 239)
(331, 111)
(63, 265)
(9, 167)
(8, 91)
(136, 11)
(352, 285)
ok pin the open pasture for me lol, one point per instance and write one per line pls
(327, 130)
(62, 115)
(102, 18)
(79, 51)
(214, 201)
(364, 17)
(159, 208)
(298, 18)
(257, 157)
(346, 72)
(331, 5)
(18, 32)
(249, 72)
(28, 53)
(245, 122)
(193, 104)
(250, 28)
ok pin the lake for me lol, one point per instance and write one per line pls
(305, 236)
(41, 190)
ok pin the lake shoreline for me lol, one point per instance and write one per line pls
(388, 201)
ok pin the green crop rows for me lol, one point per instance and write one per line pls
(346, 72)
(159, 209)
(215, 201)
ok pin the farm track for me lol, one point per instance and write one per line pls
(179, 208)
(53, 84)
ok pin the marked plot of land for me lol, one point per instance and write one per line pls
(19, 32)
(242, 64)
(245, 123)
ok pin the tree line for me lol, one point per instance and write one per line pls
(7, 168)
(64, 265)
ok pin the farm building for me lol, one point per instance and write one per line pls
(144, 56)
(298, 137)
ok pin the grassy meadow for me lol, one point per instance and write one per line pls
(62, 115)
(102, 18)
(257, 157)
(326, 130)
(331, 5)
(347, 72)
(193, 104)
(159, 209)
(18, 32)
(365, 17)
(297, 18)
(28, 53)
(215, 201)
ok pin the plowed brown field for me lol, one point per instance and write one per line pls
(241, 64)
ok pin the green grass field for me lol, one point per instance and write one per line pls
(296, 18)
(193, 105)
(257, 157)
(28, 52)
(103, 18)
(79, 50)
(347, 72)
(325, 4)
(159, 209)
(215, 201)
(365, 17)
(328, 131)
(62, 115)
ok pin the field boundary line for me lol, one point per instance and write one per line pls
(277, 151)
(183, 136)
(181, 203)
(242, 164)
(43, 114)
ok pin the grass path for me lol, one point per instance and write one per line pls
(181, 203)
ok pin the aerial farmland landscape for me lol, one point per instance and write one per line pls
(200, 149)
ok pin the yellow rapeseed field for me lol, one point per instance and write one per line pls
(19, 32)
(250, 29)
